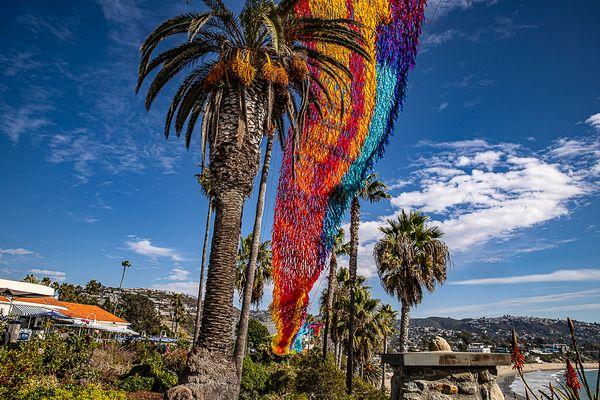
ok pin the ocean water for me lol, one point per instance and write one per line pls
(539, 380)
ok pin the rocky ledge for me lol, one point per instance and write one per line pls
(441, 375)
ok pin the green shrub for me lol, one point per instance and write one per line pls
(152, 365)
(365, 391)
(282, 379)
(64, 358)
(318, 379)
(135, 383)
(254, 379)
(175, 359)
(74, 392)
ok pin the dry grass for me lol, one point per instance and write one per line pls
(112, 360)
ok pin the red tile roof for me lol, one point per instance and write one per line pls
(73, 310)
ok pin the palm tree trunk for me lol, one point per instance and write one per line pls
(382, 363)
(202, 270)
(210, 372)
(120, 287)
(240, 344)
(329, 305)
(404, 323)
(353, 266)
(215, 332)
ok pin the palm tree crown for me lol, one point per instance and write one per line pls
(373, 190)
(411, 256)
(264, 46)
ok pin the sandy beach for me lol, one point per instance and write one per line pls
(507, 375)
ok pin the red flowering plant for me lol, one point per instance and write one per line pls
(517, 359)
(571, 380)
(574, 378)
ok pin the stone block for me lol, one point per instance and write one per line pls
(485, 376)
(444, 388)
(469, 388)
(496, 392)
(463, 377)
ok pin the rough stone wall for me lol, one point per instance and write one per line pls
(445, 383)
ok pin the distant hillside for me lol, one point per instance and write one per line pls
(533, 332)
(496, 332)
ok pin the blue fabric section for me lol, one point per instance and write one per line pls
(387, 83)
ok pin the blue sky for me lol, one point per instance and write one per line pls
(498, 143)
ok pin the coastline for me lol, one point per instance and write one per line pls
(507, 375)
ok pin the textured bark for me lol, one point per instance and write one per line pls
(215, 331)
(202, 271)
(353, 266)
(404, 323)
(212, 376)
(210, 371)
(329, 303)
(240, 344)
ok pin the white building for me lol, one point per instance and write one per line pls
(479, 348)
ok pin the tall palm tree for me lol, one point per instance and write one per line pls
(240, 344)
(204, 181)
(387, 318)
(372, 322)
(264, 269)
(410, 257)
(125, 264)
(247, 71)
(338, 248)
(373, 191)
(179, 315)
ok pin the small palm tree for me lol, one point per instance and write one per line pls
(373, 191)
(387, 318)
(337, 250)
(179, 314)
(30, 278)
(410, 257)
(264, 269)
(247, 72)
(125, 264)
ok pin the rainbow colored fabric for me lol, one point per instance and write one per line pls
(336, 154)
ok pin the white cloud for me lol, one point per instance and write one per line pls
(438, 9)
(594, 121)
(436, 39)
(16, 252)
(477, 192)
(86, 219)
(146, 248)
(443, 105)
(46, 24)
(518, 305)
(12, 64)
(483, 193)
(116, 155)
(469, 82)
(178, 274)
(188, 287)
(58, 276)
(563, 275)
(27, 118)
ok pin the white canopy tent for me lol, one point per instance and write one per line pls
(24, 289)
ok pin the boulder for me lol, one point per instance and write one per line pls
(496, 392)
(438, 343)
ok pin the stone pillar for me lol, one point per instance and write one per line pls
(445, 375)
